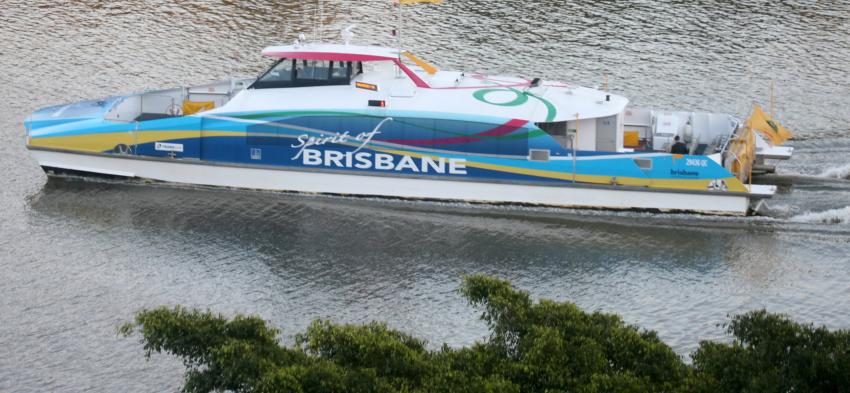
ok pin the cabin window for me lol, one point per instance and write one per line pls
(556, 129)
(341, 72)
(312, 71)
(644, 163)
(305, 73)
(538, 155)
(559, 132)
(279, 75)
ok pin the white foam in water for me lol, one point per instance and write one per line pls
(835, 216)
(781, 210)
(841, 172)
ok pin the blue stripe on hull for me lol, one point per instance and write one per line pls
(269, 141)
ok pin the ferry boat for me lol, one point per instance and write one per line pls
(380, 122)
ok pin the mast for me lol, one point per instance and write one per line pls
(399, 22)
(316, 22)
(772, 98)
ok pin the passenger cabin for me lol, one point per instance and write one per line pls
(378, 76)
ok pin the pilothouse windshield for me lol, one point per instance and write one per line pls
(305, 73)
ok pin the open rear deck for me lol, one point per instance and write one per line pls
(162, 104)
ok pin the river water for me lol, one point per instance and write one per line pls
(79, 257)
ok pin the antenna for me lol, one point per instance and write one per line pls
(398, 33)
(348, 34)
(772, 97)
(316, 20)
(321, 21)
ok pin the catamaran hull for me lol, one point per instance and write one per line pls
(247, 177)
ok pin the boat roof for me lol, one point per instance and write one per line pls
(333, 52)
(590, 102)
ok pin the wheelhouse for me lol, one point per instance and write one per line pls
(321, 61)
(307, 73)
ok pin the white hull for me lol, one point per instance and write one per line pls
(414, 188)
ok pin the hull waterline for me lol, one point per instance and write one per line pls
(321, 182)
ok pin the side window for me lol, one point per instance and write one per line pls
(305, 73)
(310, 71)
(279, 75)
(282, 72)
(340, 72)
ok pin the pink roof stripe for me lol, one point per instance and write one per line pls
(344, 53)
(330, 56)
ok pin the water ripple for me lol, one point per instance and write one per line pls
(78, 257)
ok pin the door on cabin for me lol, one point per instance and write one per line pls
(606, 133)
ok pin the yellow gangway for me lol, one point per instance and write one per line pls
(742, 148)
(741, 154)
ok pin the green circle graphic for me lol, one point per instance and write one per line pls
(521, 98)
(481, 95)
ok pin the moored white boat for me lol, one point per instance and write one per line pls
(374, 121)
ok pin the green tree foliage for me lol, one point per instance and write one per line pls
(773, 354)
(533, 347)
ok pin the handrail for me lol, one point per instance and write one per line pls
(730, 137)
(728, 143)
(574, 151)
(135, 133)
(753, 138)
(575, 148)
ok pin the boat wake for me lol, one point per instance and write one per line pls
(840, 172)
(834, 216)
(782, 211)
